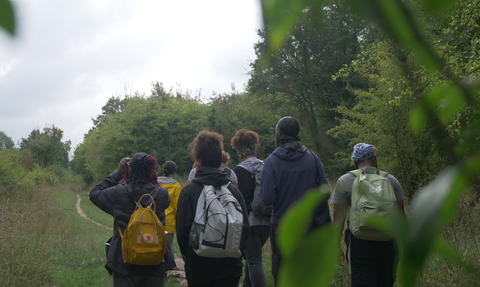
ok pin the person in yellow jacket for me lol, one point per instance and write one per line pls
(174, 189)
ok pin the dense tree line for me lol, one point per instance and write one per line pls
(42, 158)
(342, 77)
(348, 82)
(163, 124)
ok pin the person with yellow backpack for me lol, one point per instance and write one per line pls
(174, 189)
(137, 204)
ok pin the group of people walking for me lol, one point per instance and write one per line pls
(286, 176)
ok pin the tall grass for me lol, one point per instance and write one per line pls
(44, 242)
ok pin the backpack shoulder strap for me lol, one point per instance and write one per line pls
(356, 172)
(383, 173)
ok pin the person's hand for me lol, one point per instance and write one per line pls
(122, 166)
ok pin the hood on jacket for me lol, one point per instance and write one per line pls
(148, 187)
(250, 163)
(289, 154)
(211, 176)
(166, 179)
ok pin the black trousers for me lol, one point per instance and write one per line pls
(372, 263)
(227, 282)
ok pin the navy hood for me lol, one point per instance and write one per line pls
(289, 154)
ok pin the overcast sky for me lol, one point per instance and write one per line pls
(69, 57)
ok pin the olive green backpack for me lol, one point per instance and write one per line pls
(372, 195)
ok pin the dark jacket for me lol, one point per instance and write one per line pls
(118, 201)
(286, 176)
(201, 270)
(246, 184)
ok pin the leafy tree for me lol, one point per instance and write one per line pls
(437, 107)
(162, 125)
(47, 146)
(297, 77)
(228, 113)
(6, 142)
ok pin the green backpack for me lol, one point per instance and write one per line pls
(372, 194)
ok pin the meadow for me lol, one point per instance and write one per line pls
(45, 242)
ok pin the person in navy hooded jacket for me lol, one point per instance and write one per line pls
(288, 173)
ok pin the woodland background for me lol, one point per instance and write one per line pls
(401, 75)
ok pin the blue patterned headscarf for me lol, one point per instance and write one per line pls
(362, 151)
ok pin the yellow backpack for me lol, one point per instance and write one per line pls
(145, 238)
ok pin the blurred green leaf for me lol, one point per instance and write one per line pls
(442, 248)
(280, 16)
(448, 98)
(418, 119)
(296, 222)
(434, 206)
(314, 261)
(379, 223)
(439, 5)
(7, 16)
(396, 19)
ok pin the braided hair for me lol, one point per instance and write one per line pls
(141, 169)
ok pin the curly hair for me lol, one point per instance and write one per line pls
(142, 168)
(245, 142)
(207, 148)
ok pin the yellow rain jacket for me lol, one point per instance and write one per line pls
(174, 189)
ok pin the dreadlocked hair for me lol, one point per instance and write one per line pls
(142, 169)
(207, 148)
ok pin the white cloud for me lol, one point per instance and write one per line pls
(71, 56)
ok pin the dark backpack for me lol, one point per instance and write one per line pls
(257, 204)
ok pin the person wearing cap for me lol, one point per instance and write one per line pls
(288, 173)
(174, 189)
(372, 263)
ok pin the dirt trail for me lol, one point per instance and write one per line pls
(82, 214)
(179, 273)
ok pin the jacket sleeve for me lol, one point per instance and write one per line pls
(268, 190)
(320, 171)
(187, 204)
(102, 195)
(175, 196)
(246, 225)
(162, 201)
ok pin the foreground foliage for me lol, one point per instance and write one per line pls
(451, 95)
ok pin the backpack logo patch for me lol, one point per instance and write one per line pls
(148, 238)
(377, 189)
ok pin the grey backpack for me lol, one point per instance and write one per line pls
(217, 228)
(257, 204)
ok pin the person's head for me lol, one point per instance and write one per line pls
(141, 168)
(225, 158)
(207, 149)
(169, 168)
(287, 128)
(245, 143)
(364, 155)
